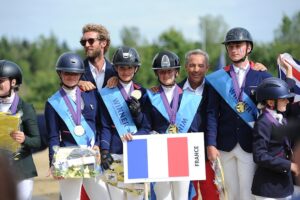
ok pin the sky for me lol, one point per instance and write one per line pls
(28, 19)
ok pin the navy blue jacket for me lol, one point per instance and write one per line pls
(154, 121)
(58, 132)
(88, 76)
(224, 126)
(110, 139)
(273, 177)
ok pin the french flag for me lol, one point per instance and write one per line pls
(164, 157)
(296, 71)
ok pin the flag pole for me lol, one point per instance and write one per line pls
(146, 191)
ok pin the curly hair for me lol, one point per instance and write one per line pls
(101, 30)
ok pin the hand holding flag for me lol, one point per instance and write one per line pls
(289, 67)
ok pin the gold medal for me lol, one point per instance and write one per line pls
(172, 129)
(240, 107)
(136, 94)
(79, 130)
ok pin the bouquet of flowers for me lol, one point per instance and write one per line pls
(75, 162)
(115, 176)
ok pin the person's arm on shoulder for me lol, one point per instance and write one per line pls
(86, 85)
(259, 67)
(112, 82)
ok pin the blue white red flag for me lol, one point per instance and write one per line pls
(296, 71)
(164, 157)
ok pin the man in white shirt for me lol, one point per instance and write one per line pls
(95, 41)
(197, 65)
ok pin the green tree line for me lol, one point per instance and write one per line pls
(37, 59)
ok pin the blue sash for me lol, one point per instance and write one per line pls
(59, 105)
(118, 110)
(222, 83)
(188, 107)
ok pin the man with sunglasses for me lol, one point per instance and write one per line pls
(95, 41)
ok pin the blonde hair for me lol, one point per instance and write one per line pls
(101, 30)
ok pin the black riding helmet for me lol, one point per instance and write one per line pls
(271, 89)
(165, 60)
(238, 34)
(126, 56)
(10, 70)
(70, 62)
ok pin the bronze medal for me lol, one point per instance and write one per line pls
(79, 130)
(240, 107)
(172, 129)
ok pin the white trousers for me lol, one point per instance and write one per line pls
(177, 190)
(24, 189)
(118, 194)
(95, 188)
(267, 198)
(239, 169)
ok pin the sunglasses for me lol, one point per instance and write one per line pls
(90, 41)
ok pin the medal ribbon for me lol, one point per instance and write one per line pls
(238, 91)
(171, 110)
(123, 91)
(14, 104)
(271, 118)
(75, 115)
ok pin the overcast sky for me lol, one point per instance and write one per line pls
(65, 18)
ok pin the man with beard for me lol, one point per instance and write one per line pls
(95, 40)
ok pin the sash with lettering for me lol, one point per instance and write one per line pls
(61, 108)
(186, 112)
(223, 84)
(118, 110)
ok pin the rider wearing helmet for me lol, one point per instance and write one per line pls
(11, 71)
(270, 152)
(121, 110)
(237, 38)
(164, 63)
(231, 112)
(165, 111)
(72, 118)
(27, 134)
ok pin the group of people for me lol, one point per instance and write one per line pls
(85, 112)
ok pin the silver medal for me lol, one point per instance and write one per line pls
(79, 130)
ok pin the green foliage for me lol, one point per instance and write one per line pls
(37, 59)
(288, 31)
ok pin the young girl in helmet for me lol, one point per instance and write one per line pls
(166, 114)
(73, 125)
(28, 134)
(271, 153)
(121, 104)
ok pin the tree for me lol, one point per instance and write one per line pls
(213, 30)
(288, 31)
(131, 37)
